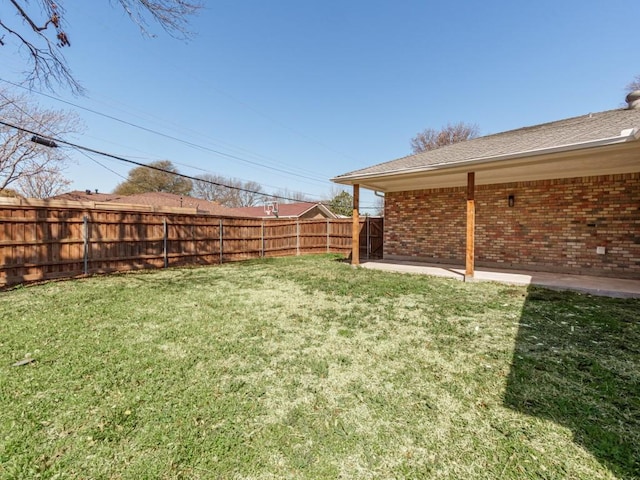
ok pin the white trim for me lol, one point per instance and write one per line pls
(627, 135)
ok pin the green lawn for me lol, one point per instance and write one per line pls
(307, 368)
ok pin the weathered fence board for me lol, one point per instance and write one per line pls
(43, 240)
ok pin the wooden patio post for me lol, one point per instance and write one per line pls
(355, 232)
(471, 226)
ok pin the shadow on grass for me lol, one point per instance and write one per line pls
(576, 362)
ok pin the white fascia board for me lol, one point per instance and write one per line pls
(325, 210)
(320, 206)
(304, 211)
(626, 135)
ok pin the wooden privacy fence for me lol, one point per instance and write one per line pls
(54, 239)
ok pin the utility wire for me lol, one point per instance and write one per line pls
(277, 122)
(77, 148)
(140, 164)
(45, 127)
(53, 97)
(170, 137)
(100, 21)
(81, 149)
(99, 163)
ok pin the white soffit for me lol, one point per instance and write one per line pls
(614, 159)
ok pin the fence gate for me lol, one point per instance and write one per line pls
(371, 237)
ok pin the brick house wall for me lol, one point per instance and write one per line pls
(554, 225)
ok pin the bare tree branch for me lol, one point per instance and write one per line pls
(20, 158)
(236, 194)
(43, 48)
(171, 15)
(44, 184)
(27, 18)
(251, 195)
(431, 139)
(287, 196)
(634, 85)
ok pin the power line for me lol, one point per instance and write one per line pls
(78, 149)
(125, 178)
(277, 122)
(170, 137)
(140, 164)
(99, 163)
(15, 104)
(44, 126)
(216, 141)
(81, 149)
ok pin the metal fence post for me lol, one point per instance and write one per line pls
(165, 242)
(85, 233)
(328, 238)
(221, 239)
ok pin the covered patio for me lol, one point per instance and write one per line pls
(561, 197)
(593, 285)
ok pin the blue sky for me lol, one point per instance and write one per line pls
(314, 89)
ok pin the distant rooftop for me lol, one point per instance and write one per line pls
(285, 210)
(86, 196)
(152, 199)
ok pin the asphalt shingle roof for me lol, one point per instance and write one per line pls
(85, 196)
(152, 199)
(585, 128)
(284, 210)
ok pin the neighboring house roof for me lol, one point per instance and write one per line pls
(549, 141)
(288, 210)
(164, 199)
(151, 199)
(85, 196)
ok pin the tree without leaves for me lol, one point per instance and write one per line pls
(143, 179)
(252, 194)
(230, 192)
(211, 188)
(39, 29)
(24, 163)
(634, 85)
(287, 196)
(46, 184)
(431, 139)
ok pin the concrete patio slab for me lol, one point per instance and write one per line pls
(610, 287)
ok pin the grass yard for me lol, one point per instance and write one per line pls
(305, 368)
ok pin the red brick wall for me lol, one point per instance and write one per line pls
(555, 225)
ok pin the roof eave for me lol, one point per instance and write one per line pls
(306, 210)
(628, 135)
(326, 210)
